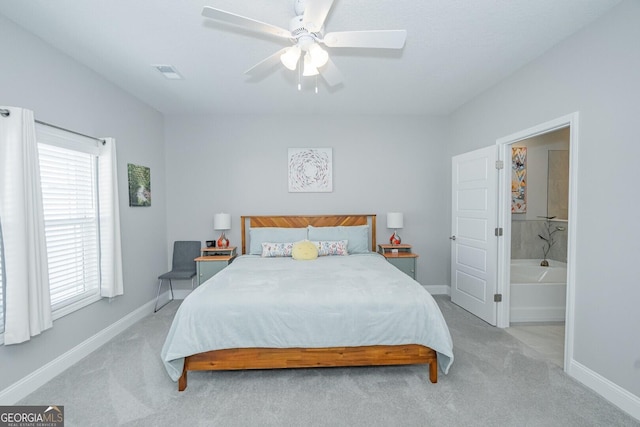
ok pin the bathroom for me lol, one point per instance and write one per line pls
(540, 190)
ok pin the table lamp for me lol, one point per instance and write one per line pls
(222, 221)
(395, 221)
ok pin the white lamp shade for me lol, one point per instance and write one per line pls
(309, 69)
(222, 221)
(290, 57)
(395, 220)
(319, 56)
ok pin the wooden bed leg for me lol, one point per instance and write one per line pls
(433, 372)
(182, 381)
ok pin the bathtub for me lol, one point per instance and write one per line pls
(538, 294)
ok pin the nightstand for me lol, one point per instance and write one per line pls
(212, 261)
(401, 257)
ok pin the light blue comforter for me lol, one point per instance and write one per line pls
(333, 301)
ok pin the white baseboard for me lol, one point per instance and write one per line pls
(537, 314)
(615, 394)
(438, 289)
(177, 294)
(35, 380)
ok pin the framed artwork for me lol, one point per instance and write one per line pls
(310, 170)
(518, 179)
(139, 185)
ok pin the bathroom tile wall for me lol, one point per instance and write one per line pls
(526, 244)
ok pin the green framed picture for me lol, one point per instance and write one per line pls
(139, 185)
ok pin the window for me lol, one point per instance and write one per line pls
(68, 173)
(73, 241)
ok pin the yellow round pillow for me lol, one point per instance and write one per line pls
(304, 250)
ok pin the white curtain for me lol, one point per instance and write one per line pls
(27, 299)
(111, 282)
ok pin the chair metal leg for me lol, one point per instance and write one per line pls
(155, 310)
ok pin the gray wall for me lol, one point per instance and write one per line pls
(64, 93)
(594, 72)
(238, 164)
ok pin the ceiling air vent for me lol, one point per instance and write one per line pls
(168, 71)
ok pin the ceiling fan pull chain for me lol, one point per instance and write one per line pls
(316, 83)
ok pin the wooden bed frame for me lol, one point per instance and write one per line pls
(276, 358)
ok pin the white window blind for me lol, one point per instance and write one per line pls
(69, 195)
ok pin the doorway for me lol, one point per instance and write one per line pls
(480, 262)
(539, 224)
(570, 124)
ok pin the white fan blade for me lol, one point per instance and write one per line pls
(315, 12)
(330, 73)
(380, 39)
(242, 21)
(266, 64)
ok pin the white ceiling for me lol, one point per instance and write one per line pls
(455, 50)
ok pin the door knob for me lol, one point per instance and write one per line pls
(452, 237)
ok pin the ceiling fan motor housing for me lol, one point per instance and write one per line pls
(301, 34)
(296, 26)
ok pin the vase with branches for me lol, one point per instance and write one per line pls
(547, 235)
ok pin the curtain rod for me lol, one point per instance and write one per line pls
(7, 113)
(71, 131)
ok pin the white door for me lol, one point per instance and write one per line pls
(474, 247)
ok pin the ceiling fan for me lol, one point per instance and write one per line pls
(306, 33)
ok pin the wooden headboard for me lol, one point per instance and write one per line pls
(301, 221)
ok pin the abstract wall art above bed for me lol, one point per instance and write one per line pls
(310, 170)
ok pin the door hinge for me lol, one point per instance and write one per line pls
(499, 231)
(497, 298)
(499, 164)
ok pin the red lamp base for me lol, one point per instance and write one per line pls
(223, 242)
(395, 239)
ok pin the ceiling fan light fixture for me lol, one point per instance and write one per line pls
(309, 67)
(306, 32)
(319, 56)
(290, 57)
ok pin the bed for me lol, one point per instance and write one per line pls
(270, 312)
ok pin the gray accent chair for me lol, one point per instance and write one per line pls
(183, 266)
